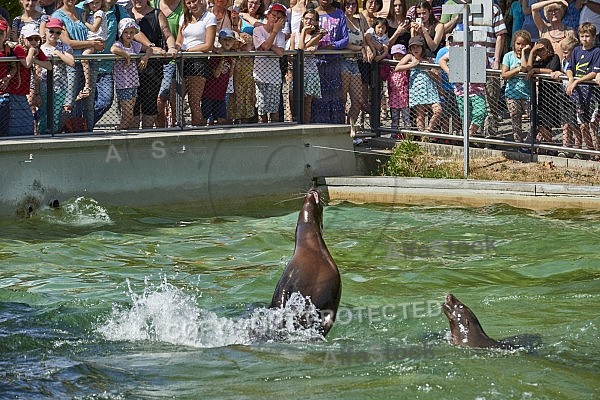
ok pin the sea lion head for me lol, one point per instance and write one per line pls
(464, 326)
(312, 210)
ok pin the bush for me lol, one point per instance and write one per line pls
(409, 159)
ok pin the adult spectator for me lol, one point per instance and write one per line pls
(30, 16)
(197, 31)
(399, 25)
(251, 15)
(429, 28)
(571, 18)
(370, 10)
(75, 35)
(436, 8)
(554, 30)
(330, 107)
(173, 10)
(494, 45)
(48, 6)
(4, 14)
(590, 12)
(528, 23)
(222, 14)
(351, 76)
(104, 93)
(154, 25)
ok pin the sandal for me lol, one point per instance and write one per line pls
(85, 92)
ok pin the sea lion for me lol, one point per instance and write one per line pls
(464, 326)
(311, 271)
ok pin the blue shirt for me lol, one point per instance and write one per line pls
(516, 87)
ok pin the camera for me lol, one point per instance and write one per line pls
(419, 20)
(407, 21)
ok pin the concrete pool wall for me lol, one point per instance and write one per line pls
(218, 166)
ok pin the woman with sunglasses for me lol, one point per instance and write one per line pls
(554, 30)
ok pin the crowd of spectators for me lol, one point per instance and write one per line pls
(556, 37)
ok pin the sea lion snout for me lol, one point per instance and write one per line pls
(452, 304)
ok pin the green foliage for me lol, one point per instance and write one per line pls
(409, 159)
(14, 8)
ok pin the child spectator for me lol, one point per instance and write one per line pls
(517, 89)
(7, 71)
(213, 99)
(570, 130)
(31, 15)
(379, 40)
(63, 52)
(21, 121)
(583, 65)
(446, 92)
(542, 60)
(477, 105)
(243, 98)
(422, 90)
(398, 92)
(94, 18)
(308, 39)
(267, 73)
(126, 71)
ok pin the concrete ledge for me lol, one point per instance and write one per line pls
(216, 167)
(456, 192)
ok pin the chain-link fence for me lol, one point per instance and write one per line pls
(201, 90)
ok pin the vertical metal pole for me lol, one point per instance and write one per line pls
(376, 99)
(50, 100)
(298, 87)
(533, 114)
(466, 37)
(179, 85)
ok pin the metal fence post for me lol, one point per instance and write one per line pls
(179, 90)
(50, 100)
(533, 110)
(375, 99)
(298, 87)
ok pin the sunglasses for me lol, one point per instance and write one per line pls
(348, 5)
(554, 11)
(34, 39)
(54, 32)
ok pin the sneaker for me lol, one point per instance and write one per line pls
(357, 141)
(562, 154)
(578, 156)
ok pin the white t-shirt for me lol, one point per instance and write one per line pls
(194, 34)
(266, 69)
(102, 32)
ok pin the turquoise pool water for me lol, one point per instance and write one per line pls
(120, 303)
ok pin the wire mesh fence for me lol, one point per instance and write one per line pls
(198, 90)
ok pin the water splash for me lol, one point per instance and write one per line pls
(167, 314)
(82, 211)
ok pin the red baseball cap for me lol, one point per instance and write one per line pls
(277, 7)
(3, 25)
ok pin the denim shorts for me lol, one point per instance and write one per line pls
(127, 94)
(168, 74)
(350, 66)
